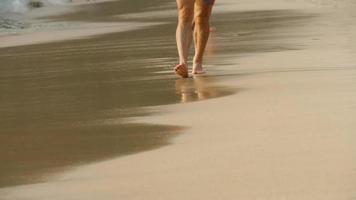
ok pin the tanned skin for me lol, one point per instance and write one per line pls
(193, 24)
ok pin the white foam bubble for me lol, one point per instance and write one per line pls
(19, 5)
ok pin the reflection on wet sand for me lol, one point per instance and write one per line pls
(200, 88)
(49, 91)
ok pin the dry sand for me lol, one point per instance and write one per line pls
(289, 134)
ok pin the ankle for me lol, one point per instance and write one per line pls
(197, 64)
(197, 61)
(183, 63)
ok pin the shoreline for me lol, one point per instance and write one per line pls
(70, 30)
(288, 133)
(78, 94)
(82, 31)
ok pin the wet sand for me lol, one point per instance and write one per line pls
(285, 130)
(65, 104)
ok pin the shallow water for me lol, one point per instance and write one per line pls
(19, 17)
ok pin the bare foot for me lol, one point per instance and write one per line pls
(198, 72)
(181, 70)
(198, 69)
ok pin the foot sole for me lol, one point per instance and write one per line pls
(181, 70)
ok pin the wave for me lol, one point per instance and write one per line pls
(13, 17)
(21, 6)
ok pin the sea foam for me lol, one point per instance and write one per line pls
(13, 13)
(21, 6)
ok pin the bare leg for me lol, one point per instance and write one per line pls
(201, 32)
(184, 34)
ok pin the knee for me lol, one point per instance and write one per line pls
(185, 16)
(202, 18)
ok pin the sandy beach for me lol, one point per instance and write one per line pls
(274, 118)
